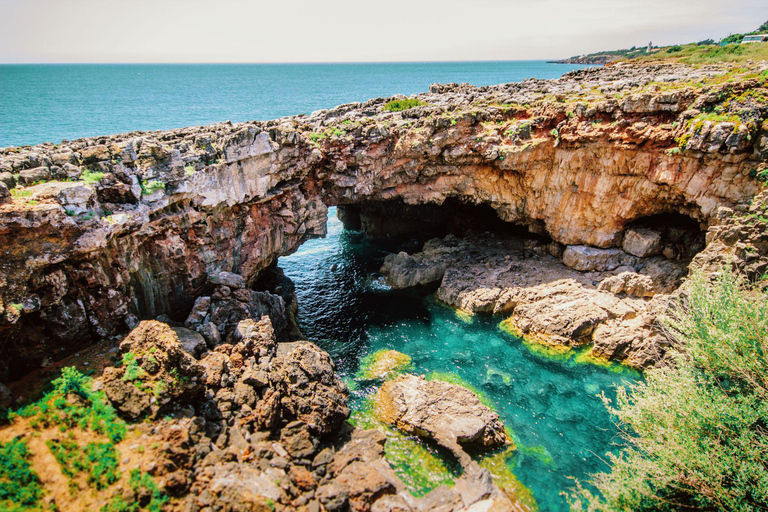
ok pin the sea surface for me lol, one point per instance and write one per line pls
(50, 102)
(551, 404)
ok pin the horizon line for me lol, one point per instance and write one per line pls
(552, 61)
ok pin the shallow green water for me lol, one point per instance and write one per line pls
(551, 405)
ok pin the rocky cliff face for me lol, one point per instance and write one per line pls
(99, 233)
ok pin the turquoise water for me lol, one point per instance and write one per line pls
(48, 103)
(551, 404)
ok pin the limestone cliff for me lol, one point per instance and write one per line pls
(98, 233)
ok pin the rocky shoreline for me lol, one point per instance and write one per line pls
(604, 188)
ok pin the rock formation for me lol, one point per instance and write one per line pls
(102, 232)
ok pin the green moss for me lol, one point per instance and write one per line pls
(92, 177)
(498, 465)
(20, 487)
(98, 460)
(400, 105)
(189, 169)
(20, 192)
(421, 466)
(383, 364)
(133, 372)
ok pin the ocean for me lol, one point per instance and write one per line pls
(51, 102)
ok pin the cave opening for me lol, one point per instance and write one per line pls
(397, 221)
(674, 235)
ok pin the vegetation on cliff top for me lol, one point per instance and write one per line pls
(400, 105)
(697, 429)
(706, 51)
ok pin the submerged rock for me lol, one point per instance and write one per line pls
(383, 364)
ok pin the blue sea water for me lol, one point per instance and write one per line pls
(48, 103)
(552, 405)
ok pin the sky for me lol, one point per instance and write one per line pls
(33, 31)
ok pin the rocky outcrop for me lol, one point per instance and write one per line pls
(156, 373)
(544, 299)
(447, 413)
(148, 217)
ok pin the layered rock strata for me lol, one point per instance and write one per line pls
(99, 233)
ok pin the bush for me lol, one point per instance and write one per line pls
(20, 487)
(400, 105)
(152, 186)
(99, 460)
(674, 49)
(697, 429)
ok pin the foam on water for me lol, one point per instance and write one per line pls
(550, 402)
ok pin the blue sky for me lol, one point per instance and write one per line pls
(354, 30)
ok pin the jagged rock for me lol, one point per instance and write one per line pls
(584, 258)
(441, 411)
(258, 190)
(37, 174)
(642, 242)
(310, 391)
(199, 312)
(157, 373)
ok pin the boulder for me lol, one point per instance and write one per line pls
(192, 342)
(631, 283)
(5, 194)
(445, 412)
(642, 242)
(308, 388)
(29, 176)
(586, 258)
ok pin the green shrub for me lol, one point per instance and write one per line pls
(400, 105)
(697, 429)
(674, 49)
(94, 412)
(151, 186)
(99, 460)
(20, 488)
(143, 485)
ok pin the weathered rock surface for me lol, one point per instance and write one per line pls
(545, 300)
(157, 373)
(450, 414)
(176, 207)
